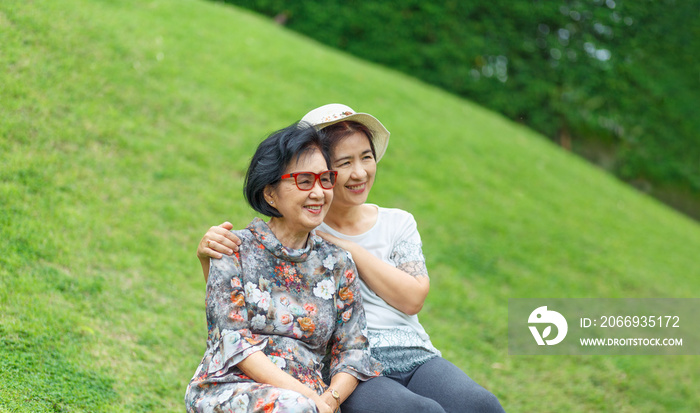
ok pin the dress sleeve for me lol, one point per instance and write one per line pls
(407, 253)
(349, 345)
(230, 339)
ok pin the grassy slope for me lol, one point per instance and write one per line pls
(125, 128)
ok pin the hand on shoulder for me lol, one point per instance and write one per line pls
(218, 240)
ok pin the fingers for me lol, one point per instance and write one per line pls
(217, 241)
(217, 249)
(222, 240)
(225, 230)
(221, 244)
(330, 238)
(204, 250)
(208, 252)
(322, 405)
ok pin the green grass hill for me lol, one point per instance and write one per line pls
(125, 130)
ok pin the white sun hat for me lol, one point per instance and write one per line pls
(332, 113)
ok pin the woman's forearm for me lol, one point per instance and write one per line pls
(205, 268)
(344, 384)
(398, 288)
(260, 368)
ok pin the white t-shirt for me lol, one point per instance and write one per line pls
(394, 239)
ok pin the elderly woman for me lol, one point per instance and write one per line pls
(286, 298)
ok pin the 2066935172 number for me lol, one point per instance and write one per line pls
(640, 321)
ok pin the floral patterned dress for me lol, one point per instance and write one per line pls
(296, 306)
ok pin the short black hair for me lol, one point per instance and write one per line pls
(333, 134)
(273, 156)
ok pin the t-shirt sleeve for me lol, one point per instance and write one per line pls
(407, 253)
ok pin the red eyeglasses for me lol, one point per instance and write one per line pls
(305, 181)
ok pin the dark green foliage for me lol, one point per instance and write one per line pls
(616, 81)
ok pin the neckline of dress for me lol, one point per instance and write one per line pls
(262, 232)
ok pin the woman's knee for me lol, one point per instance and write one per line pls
(441, 380)
(423, 404)
(483, 400)
(470, 397)
(412, 404)
(382, 394)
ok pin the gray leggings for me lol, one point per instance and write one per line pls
(435, 386)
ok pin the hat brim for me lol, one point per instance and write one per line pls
(380, 135)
